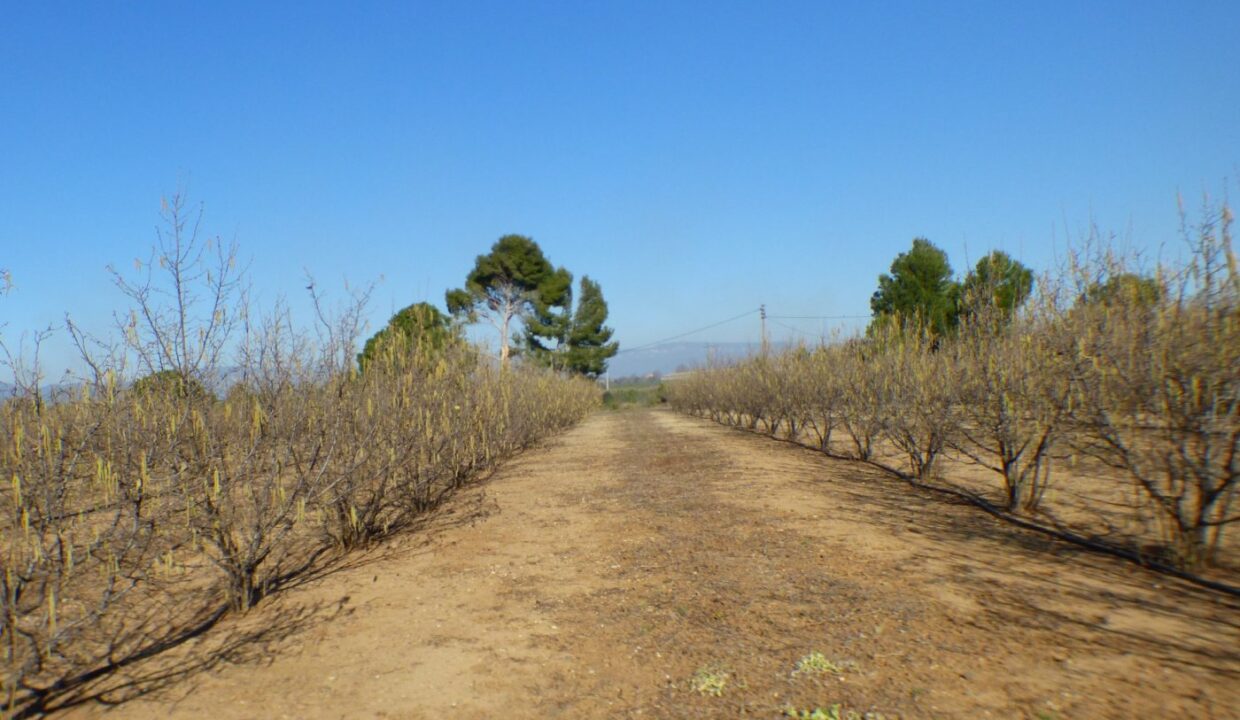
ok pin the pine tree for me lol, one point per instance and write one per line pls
(997, 283)
(547, 326)
(920, 288)
(505, 287)
(417, 328)
(589, 340)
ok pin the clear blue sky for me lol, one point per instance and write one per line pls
(696, 158)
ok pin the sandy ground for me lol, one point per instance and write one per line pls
(606, 572)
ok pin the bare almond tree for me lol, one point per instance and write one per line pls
(134, 516)
(1161, 402)
(183, 296)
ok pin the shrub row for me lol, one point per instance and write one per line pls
(1139, 381)
(133, 517)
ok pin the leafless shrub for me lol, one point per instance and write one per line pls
(818, 394)
(136, 515)
(79, 524)
(865, 396)
(1014, 396)
(183, 308)
(1161, 400)
(1139, 372)
(923, 414)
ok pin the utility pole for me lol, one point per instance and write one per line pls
(762, 314)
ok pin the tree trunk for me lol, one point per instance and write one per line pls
(503, 341)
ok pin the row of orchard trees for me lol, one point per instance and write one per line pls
(1137, 375)
(132, 516)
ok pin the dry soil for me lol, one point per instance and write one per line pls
(613, 571)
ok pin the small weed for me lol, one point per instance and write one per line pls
(710, 680)
(816, 663)
(831, 712)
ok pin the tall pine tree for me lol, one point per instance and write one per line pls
(547, 326)
(505, 287)
(589, 339)
(920, 288)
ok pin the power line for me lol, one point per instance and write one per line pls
(747, 313)
(803, 335)
(820, 317)
(796, 330)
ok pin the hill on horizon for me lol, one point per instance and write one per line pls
(680, 356)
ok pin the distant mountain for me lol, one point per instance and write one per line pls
(671, 357)
(218, 382)
(49, 391)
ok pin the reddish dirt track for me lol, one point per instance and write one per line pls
(596, 575)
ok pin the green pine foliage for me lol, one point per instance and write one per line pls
(418, 330)
(919, 288)
(1124, 289)
(589, 341)
(920, 291)
(507, 285)
(547, 327)
(169, 383)
(997, 283)
(515, 287)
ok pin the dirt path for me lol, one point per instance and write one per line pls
(597, 575)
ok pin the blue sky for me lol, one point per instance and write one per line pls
(695, 158)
